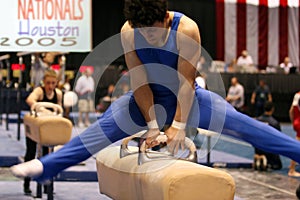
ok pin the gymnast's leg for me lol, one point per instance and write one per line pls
(243, 127)
(112, 126)
(29, 155)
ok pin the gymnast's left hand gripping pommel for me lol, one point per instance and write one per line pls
(146, 155)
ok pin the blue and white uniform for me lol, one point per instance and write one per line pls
(209, 111)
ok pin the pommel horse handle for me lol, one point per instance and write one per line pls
(36, 108)
(25, 53)
(143, 152)
(4, 57)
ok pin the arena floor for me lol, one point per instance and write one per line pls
(250, 184)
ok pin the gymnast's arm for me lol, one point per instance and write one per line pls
(34, 96)
(189, 53)
(189, 45)
(37, 94)
(138, 78)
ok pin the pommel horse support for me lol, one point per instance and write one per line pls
(132, 173)
(47, 128)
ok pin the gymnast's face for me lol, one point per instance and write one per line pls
(154, 35)
(50, 83)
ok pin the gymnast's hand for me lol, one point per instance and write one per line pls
(176, 139)
(151, 136)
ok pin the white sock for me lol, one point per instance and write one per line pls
(33, 168)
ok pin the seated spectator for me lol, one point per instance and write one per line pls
(245, 63)
(245, 59)
(231, 67)
(105, 102)
(265, 160)
(203, 65)
(286, 65)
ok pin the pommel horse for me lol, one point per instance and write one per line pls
(47, 128)
(135, 173)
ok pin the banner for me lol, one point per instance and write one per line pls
(46, 25)
(268, 29)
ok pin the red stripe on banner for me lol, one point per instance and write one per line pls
(263, 28)
(220, 21)
(283, 30)
(241, 11)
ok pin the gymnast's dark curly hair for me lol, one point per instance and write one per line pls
(143, 13)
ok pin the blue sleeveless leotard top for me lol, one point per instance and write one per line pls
(160, 62)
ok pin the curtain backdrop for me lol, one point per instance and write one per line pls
(268, 29)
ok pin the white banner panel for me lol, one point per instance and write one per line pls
(46, 25)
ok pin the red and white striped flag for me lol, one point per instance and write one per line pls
(268, 29)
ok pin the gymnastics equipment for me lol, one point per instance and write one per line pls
(24, 53)
(144, 154)
(122, 175)
(4, 57)
(46, 127)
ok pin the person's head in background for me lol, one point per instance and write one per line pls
(50, 80)
(262, 83)
(88, 72)
(244, 53)
(269, 108)
(234, 81)
(110, 89)
(48, 57)
(286, 60)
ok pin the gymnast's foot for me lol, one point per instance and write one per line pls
(33, 168)
(294, 174)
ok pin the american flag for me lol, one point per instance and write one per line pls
(268, 29)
